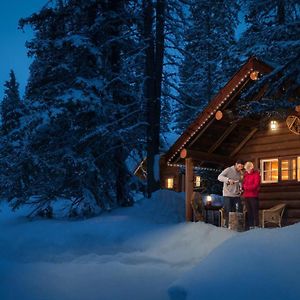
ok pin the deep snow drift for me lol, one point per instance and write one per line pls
(143, 252)
(259, 264)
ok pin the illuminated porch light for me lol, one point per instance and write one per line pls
(273, 125)
(208, 200)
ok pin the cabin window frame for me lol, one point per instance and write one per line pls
(197, 181)
(262, 169)
(167, 182)
(290, 169)
(298, 168)
(279, 170)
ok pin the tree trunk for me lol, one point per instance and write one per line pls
(114, 55)
(159, 58)
(280, 12)
(149, 91)
(154, 54)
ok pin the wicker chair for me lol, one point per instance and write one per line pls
(196, 203)
(273, 215)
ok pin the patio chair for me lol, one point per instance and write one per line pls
(273, 215)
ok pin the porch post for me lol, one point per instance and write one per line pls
(188, 188)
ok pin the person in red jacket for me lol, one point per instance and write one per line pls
(251, 185)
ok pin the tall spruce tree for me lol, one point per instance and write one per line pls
(175, 22)
(13, 113)
(83, 96)
(207, 61)
(12, 109)
(273, 35)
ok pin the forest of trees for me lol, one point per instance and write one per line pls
(109, 77)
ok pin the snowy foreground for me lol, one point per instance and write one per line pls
(145, 252)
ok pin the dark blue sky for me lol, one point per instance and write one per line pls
(13, 54)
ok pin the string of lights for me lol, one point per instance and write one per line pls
(252, 74)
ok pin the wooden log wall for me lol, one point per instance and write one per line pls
(170, 172)
(276, 144)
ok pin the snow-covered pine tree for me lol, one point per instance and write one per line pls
(207, 63)
(166, 110)
(82, 106)
(273, 35)
(12, 114)
(176, 19)
(12, 108)
(115, 49)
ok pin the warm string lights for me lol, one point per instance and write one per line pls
(248, 75)
(197, 168)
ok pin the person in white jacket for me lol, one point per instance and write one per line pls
(232, 182)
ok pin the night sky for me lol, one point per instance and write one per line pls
(13, 54)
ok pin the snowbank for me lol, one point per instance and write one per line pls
(164, 207)
(145, 252)
(259, 264)
(130, 253)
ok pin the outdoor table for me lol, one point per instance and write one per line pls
(210, 215)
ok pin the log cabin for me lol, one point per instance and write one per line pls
(219, 136)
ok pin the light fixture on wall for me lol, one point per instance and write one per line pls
(273, 125)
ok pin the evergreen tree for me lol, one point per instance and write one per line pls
(83, 97)
(12, 108)
(207, 62)
(12, 115)
(273, 35)
(175, 22)
(166, 110)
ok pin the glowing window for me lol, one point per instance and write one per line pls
(269, 170)
(170, 183)
(197, 181)
(289, 169)
(298, 168)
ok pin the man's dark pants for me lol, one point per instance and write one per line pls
(230, 206)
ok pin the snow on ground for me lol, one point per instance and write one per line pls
(130, 253)
(258, 264)
(143, 252)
